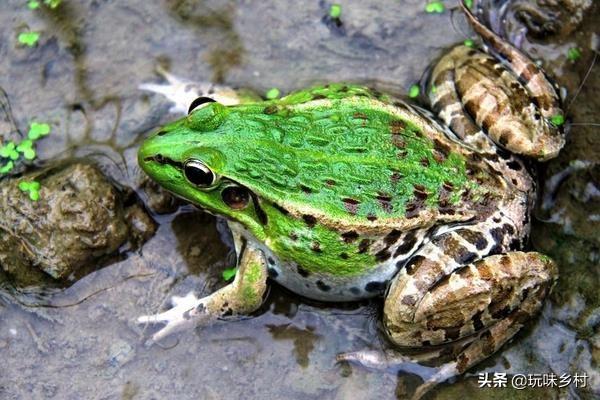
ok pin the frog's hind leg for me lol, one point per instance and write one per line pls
(243, 296)
(511, 102)
(446, 296)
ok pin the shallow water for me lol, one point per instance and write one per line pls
(83, 78)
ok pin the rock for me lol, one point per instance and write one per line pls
(78, 218)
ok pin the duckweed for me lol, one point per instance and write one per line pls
(335, 11)
(435, 7)
(272, 93)
(573, 54)
(32, 188)
(414, 91)
(29, 38)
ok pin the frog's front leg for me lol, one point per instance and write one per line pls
(243, 296)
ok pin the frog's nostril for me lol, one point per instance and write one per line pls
(161, 133)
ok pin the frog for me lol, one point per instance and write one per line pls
(342, 193)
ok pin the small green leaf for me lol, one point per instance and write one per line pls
(414, 91)
(34, 195)
(24, 186)
(469, 43)
(33, 4)
(37, 130)
(7, 150)
(228, 274)
(7, 167)
(29, 154)
(435, 7)
(433, 89)
(573, 54)
(272, 93)
(335, 11)
(52, 3)
(29, 38)
(24, 145)
(34, 185)
(468, 3)
(557, 120)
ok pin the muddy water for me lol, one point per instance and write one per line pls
(81, 342)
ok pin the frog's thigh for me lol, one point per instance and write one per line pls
(487, 302)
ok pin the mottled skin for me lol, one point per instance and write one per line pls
(342, 193)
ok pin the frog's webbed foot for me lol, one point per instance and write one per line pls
(243, 296)
(183, 92)
(393, 361)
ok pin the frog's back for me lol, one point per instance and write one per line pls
(351, 158)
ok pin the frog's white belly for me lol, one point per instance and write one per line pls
(326, 287)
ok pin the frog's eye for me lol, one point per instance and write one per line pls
(236, 197)
(199, 174)
(199, 102)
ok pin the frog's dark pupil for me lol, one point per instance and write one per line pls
(199, 175)
(198, 102)
(236, 197)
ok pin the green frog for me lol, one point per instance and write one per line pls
(342, 193)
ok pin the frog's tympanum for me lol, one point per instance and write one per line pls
(342, 193)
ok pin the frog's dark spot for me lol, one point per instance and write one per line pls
(280, 209)
(303, 273)
(355, 291)
(228, 313)
(407, 244)
(413, 263)
(401, 154)
(447, 211)
(310, 220)
(413, 208)
(426, 343)
(508, 228)
(514, 244)
(383, 255)
(504, 138)
(391, 237)
(447, 185)
(471, 53)
(375, 286)
(397, 127)
(473, 237)
(351, 205)
(497, 249)
(271, 261)
(269, 110)
(500, 313)
(441, 147)
(323, 287)
(272, 273)
(452, 333)
(344, 256)
(344, 89)
(306, 189)
(395, 177)
(360, 115)
(293, 236)
(363, 246)
(409, 300)
(316, 247)
(496, 219)
(420, 192)
(477, 324)
(497, 234)
(318, 97)
(371, 217)
(349, 237)
(330, 182)
(514, 165)
(492, 157)
(425, 162)
(398, 142)
(463, 256)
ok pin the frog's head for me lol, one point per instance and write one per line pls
(192, 158)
